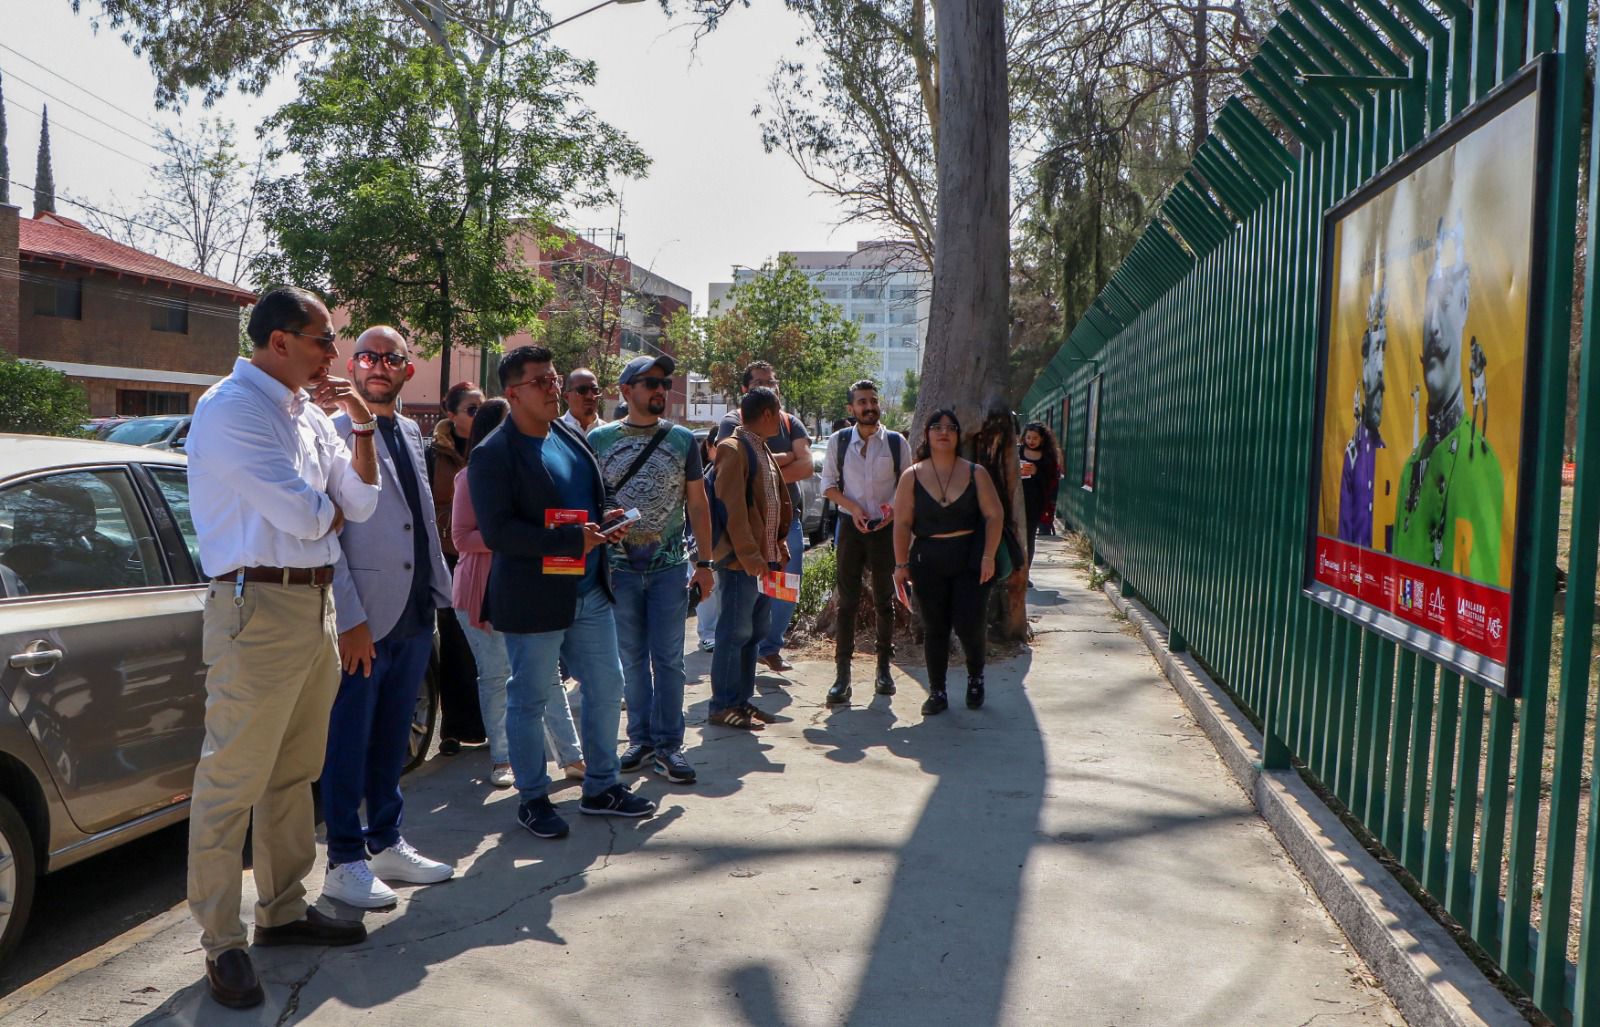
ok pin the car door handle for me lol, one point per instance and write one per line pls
(35, 658)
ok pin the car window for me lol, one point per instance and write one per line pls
(73, 532)
(174, 485)
(141, 431)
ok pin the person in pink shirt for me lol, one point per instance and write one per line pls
(488, 645)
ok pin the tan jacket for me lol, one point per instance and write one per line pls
(446, 464)
(741, 542)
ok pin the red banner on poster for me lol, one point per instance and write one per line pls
(1472, 615)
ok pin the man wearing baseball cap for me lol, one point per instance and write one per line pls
(653, 466)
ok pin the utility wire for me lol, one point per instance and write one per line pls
(73, 107)
(67, 128)
(81, 89)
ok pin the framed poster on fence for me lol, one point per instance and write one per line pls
(1431, 279)
(1091, 432)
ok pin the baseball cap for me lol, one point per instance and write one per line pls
(639, 365)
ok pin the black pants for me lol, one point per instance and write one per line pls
(944, 577)
(858, 553)
(459, 715)
(1032, 511)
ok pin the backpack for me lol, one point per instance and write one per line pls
(896, 450)
(719, 510)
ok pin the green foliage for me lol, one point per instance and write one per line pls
(574, 343)
(44, 176)
(908, 394)
(39, 400)
(780, 317)
(421, 175)
(816, 581)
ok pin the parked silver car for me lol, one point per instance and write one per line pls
(156, 431)
(101, 597)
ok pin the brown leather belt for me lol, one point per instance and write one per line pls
(282, 575)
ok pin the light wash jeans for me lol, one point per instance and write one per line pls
(651, 609)
(494, 667)
(589, 648)
(705, 617)
(783, 610)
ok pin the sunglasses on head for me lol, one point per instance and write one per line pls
(368, 359)
(585, 390)
(650, 381)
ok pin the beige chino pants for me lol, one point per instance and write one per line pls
(274, 670)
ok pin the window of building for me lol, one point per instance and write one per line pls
(62, 297)
(903, 294)
(834, 292)
(141, 402)
(867, 292)
(170, 317)
(867, 317)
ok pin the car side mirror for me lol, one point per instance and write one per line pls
(180, 442)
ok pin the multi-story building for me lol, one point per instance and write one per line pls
(141, 335)
(882, 287)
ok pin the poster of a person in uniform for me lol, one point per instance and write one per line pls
(1428, 278)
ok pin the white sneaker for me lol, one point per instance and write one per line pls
(400, 862)
(354, 885)
(501, 776)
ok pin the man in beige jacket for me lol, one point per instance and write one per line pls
(754, 503)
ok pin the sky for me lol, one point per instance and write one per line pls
(713, 198)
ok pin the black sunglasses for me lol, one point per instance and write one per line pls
(650, 381)
(585, 390)
(470, 411)
(367, 358)
(326, 341)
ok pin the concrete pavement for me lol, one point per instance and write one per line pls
(1074, 853)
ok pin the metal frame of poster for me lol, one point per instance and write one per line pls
(1091, 434)
(1460, 619)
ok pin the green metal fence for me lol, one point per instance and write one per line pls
(1204, 344)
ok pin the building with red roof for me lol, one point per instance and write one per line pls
(142, 335)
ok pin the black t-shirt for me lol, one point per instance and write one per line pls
(789, 429)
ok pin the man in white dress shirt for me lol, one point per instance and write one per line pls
(583, 401)
(860, 475)
(270, 484)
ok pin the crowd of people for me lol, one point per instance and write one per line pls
(540, 545)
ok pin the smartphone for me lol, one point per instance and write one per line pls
(872, 525)
(616, 523)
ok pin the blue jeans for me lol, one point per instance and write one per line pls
(651, 611)
(782, 609)
(494, 667)
(705, 617)
(589, 648)
(742, 620)
(369, 731)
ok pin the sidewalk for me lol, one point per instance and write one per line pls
(1073, 853)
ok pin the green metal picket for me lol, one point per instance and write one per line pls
(1204, 348)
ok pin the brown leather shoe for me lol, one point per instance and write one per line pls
(233, 981)
(315, 928)
(776, 662)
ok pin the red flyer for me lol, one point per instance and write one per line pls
(564, 564)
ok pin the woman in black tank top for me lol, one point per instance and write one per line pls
(947, 521)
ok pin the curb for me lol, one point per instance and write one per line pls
(1416, 960)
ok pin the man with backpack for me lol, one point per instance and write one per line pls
(863, 468)
(653, 466)
(790, 447)
(751, 513)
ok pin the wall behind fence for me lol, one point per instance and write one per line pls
(1205, 344)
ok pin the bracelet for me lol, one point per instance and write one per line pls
(705, 565)
(364, 428)
(364, 434)
(901, 566)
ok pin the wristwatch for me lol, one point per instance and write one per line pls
(364, 428)
(705, 565)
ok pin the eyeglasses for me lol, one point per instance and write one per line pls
(328, 341)
(548, 382)
(471, 411)
(941, 426)
(652, 382)
(369, 359)
(585, 390)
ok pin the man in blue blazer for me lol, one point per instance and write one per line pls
(389, 580)
(540, 501)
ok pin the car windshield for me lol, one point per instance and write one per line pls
(143, 430)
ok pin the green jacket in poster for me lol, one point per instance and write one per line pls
(1448, 514)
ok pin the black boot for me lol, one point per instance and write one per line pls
(883, 684)
(974, 691)
(937, 702)
(839, 694)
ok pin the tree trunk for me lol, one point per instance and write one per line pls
(965, 363)
(1199, 81)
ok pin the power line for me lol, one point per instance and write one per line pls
(99, 121)
(80, 135)
(81, 89)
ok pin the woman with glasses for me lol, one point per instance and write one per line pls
(460, 719)
(489, 645)
(947, 523)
